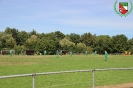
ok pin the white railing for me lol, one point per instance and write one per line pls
(62, 72)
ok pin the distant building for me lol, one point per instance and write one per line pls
(6, 52)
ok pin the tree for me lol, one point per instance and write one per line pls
(75, 38)
(8, 30)
(81, 47)
(89, 49)
(7, 41)
(0, 40)
(59, 35)
(41, 35)
(53, 42)
(33, 32)
(0, 45)
(45, 44)
(49, 42)
(11, 42)
(18, 49)
(41, 45)
(14, 32)
(119, 43)
(88, 39)
(31, 42)
(130, 44)
(12, 38)
(22, 37)
(66, 44)
(102, 43)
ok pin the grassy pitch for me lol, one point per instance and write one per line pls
(36, 64)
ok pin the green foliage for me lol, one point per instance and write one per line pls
(48, 42)
(119, 43)
(75, 38)
(88, 39)
(41, 45)
(14, 32)
(66, 44)
(33, 32)
(7, 41)
(31, 42)
(18, 49)
(102, 43)
(12, 38)
(8, 30)
(11, 42)
(81, 47)
(0, 45)
(22, 37)
(89, 49)
(59, 35)
(130, 45)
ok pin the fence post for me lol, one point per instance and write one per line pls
(33, 81)
(92, 78)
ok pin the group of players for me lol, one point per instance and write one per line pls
(105, 54)
(60, 53)
(57, 54)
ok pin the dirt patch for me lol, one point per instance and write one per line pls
(126, 85)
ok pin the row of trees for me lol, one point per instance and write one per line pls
(12, 38)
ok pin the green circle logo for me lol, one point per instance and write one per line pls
(123, 11)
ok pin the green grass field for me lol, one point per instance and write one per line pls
(36, 64)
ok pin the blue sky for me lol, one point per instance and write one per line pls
(68, 16)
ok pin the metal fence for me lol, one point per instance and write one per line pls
(63, 72)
